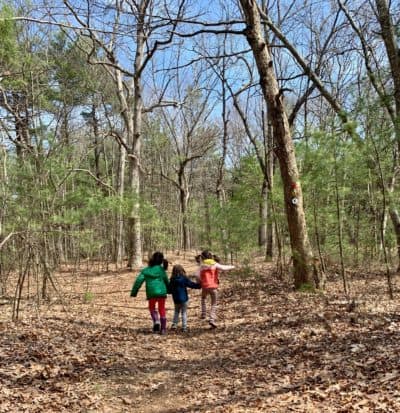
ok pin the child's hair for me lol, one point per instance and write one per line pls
(216, 258)
(177, 270)
(157, 259)
(198, 258)
(206, 255)
(165, 264)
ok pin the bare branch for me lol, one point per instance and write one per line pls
(94, 177)
(366, 53)
(209, 31)
(162, 104)
(306, 68)
(2, 243)
(53, 23)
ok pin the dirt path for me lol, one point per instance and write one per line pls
(275, 351)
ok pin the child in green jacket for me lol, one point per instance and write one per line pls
(156, 279)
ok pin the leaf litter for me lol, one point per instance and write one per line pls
(275, 350)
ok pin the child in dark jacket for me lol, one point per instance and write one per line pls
(178, 288)
(156, 279)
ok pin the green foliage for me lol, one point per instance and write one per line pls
(8, 35)
(44, 192)
(306, 288)
(235, 223)
(88, 297)
(74, 79)
(331, 159)
(156, 228)
(351, 128)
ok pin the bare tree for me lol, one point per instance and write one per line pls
(284, 150)
(153, 25)
(191, 137)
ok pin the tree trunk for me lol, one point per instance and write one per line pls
(207, 218)
(21, 120)
(394, 215)
(97, 148)
(269, 171)
(134, 224)
(393, 54)
(301, 249)
(119, 247)
(262, 228)
(183, 201)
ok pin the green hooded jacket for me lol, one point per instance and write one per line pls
(156, 280)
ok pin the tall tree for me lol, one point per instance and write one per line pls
(389, 96)
(301, 248)
(190, 137)
(154, 23)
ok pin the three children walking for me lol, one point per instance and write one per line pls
(158, 286)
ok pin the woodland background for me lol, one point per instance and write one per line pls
(133, 126)
(268, 132)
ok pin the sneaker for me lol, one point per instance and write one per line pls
(163, 332)
(212, 324)
(156, 327)
(184, 329)
(173, 326)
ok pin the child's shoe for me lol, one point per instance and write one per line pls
(163, 325)
(173, 326)
(212, 324)
(184, 329)
(156, 327)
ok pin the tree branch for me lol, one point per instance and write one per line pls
(7, 238)
(94, 177)
(306, 68)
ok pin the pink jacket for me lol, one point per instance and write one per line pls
(208, 273)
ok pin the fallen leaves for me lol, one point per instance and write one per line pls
(275, 351)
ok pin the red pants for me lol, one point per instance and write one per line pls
(161, 305)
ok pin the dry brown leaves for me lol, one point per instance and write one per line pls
(275, 350)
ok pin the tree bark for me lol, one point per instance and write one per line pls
(262, 227)
(134, 223)
(270, 163)
(284, 150)
(119, 247)
(183, 203)
(393, 54)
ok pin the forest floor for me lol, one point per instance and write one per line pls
(275, 350)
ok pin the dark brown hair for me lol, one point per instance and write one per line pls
(177, 270)
(156, 259)
(206, 255)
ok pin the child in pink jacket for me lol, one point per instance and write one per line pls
(208, 275)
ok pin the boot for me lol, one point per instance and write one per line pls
(163, 325)
(156, 321)
(213, 324)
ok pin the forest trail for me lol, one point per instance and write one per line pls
(275, 350)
